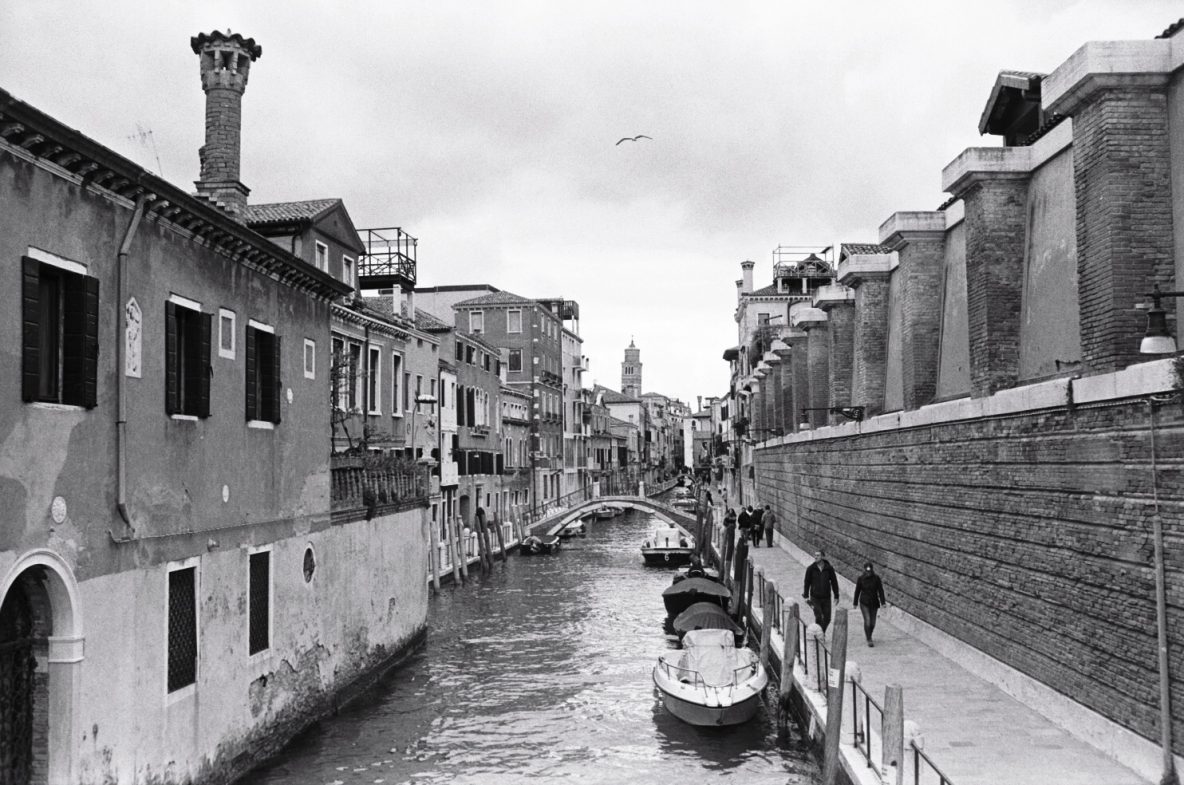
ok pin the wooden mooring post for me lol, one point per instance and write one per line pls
(768, 608)
(892, 763)
(789, 652)
(434, 545)
(835, 678)
(501, 537)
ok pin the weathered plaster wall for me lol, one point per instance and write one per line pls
(367, 599)
(1050, 335)
(953, 371)
(1026, 536)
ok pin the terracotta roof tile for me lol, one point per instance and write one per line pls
(428, 323)
(848, 249)
(496, 298)
(279, 212)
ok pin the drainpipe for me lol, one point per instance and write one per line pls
(120, 365)
(1161, 619)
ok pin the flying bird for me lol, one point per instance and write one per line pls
(634, 138)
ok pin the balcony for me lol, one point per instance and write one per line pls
(376, 484)
(389, 261)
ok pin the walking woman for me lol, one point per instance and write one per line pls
(869, 598)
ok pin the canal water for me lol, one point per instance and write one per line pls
(541, 672)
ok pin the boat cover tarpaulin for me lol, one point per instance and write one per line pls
(703, 586)
(711, 654)
(704, 616)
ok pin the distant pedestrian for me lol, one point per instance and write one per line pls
(820, 583)
(869, 598)
(769, 522)
(744, 521)
(729, 539)
(758, 525)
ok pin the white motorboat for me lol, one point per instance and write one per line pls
(709, 681)
(668, 545)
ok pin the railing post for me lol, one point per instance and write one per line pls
(913, 741)
(813, 637)
(892, 736)
(834, 696)
(767, 611)
(851, 728)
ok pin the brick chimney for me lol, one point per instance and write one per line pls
(746, 271)
(225, 63)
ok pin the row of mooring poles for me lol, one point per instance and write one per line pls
(743, 580)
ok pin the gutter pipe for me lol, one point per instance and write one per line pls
(120, 365)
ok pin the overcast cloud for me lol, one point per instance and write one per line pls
(487, 130)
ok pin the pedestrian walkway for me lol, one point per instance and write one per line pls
(973, 731)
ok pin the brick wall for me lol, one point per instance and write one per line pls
(817, 350)
(1121, 172)
(871, 344)
(1026, 536)
(841, 328)
(920, 273)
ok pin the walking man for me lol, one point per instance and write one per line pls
(729, 540)
(819, 585)
(758, 528)
(869, 598)
(769, 522)
(744, 521)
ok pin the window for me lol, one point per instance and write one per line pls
(355, 372)
(374, 380)
(407, 392)
(515, 360)
(418, 390)
(339, 373)
(469, 353)
(485, 361)
(347, 270)
(182, 654)
(396, 377)
(310, 359)
(476, 321)
(322, 256)
(259, 602)
(460, 352)
(187, 358)
(433, 394)
(60, 340)
(226, 324)
(263, 373)
(514, 321)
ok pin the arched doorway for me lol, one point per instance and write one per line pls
(25, 624)
(41, 647)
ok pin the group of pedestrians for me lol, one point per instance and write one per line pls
(821, 583)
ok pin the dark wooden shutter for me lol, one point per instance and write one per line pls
(470, 417)
(90, 349)
(460, 404)
(31, 328)
(499, 463)
(203, 369)
(172, 384)
(277, 381)
(252, 375)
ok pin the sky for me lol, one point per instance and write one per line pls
(488, 130)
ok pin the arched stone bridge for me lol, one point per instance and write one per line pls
(661, 510)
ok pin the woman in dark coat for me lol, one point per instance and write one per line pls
(869, 598)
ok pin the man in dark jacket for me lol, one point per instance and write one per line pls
(744, 520)
(869, 597)
(758, 526)
(819, 585)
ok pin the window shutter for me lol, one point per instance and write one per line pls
(31, 328)
(499, 463)
(90, 350)
(470, 400)
(278, 384)
(172, 398)
(460, 405)
(252, 375)
(202, 365)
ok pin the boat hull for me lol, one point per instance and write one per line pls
(696, 707)
(666, 557)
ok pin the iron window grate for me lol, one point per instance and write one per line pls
(260, 605)
(182, 628)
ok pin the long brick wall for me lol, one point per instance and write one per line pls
(1027, 536)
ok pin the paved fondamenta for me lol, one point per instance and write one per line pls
(973, 730)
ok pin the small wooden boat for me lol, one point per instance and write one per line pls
(710, 682)
(576, 527)
(606, 512)
(668, 546)
(535, 545)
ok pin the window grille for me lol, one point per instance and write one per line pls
(182, 666)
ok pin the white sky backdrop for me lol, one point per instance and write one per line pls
(487, 130)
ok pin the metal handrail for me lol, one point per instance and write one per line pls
(738, 674)
(919, 756)
(863, 732)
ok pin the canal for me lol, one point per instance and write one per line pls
(540, 672)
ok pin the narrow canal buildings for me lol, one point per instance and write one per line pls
(178, 593)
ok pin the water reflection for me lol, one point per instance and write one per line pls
(540, 672)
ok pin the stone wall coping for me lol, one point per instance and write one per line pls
(956, 213)
(975, 164)
(914, 221)
(859, 267)
(807, 316)
(771, 357)
(1099, 65)
(1156, 376)
(833, 294)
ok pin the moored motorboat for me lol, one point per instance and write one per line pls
(576, 527)
(679, 596)
(668, 546)
(534, 545)
(710, 682)
(706, 616)
(607, 511)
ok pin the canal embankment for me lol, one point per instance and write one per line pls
(964, 722)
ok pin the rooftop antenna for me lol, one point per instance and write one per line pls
(146, 139)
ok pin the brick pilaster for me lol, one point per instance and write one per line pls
(800, 370)
(813, 322)
(996, 216)
(1122, 179)
(919, 241)
(838, 302)
(868, 274)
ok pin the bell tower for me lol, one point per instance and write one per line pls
(631, 372)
